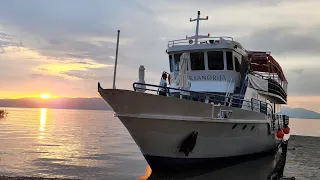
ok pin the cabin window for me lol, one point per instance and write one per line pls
(229, 60)
(237, 64)
(197, 61)
(215, 60)
(171, 63)
(177, 61)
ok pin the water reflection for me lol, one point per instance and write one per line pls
(262, 168)
(43, 119)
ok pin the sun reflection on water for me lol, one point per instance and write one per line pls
(43, 119)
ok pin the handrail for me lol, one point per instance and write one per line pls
(201, 94)
(268, 77)
(228, 91)
(186, 41)
(270, 108)
(228, 87)
(243, 84)
(264, 76)
(280, 91)
(278, 88)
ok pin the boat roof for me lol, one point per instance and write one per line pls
(205, 43)
(264, 62)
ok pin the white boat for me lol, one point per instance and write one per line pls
(226, 112)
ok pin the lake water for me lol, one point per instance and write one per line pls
(79, 144)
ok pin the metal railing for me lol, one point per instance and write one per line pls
(200, 39)
(263, 106)
(273, 86)
(254, 104)
(228, 90)
(265, 75)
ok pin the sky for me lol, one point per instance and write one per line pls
(66, 47)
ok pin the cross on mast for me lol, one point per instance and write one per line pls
(197, 28)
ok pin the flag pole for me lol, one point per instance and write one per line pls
(115, 63)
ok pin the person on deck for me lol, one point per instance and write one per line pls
(163, 83)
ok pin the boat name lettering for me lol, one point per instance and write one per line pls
(208, 78)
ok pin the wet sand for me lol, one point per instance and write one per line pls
(303, 160)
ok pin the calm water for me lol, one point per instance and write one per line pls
(79, 144)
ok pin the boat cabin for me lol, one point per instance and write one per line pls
(215, 64)
(222, 66)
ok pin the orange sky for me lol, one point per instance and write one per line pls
(307, 102)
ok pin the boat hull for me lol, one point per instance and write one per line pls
(160, 125)
(166, 164)
(216, 144)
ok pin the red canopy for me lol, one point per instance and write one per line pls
(264, 62)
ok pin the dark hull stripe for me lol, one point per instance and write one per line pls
(158, 163)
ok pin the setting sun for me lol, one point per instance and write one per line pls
(45, 96)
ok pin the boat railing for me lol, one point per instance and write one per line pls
(264, 107)
(276, 78)
(228, 90)
(276, 88)
(254, 105)
(200, 39)
(273, 86)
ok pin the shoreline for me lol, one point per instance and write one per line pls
(30, 178)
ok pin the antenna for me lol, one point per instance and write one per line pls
(197, 28)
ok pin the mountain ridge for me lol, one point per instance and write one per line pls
(99, 104)
(300, 113)
(57, 103)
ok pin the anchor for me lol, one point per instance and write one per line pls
(188, 143)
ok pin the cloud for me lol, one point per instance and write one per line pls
(303, 82)
(74, 41)
(86, 30)
(82, 62)
(298, 71)
(66, 48)
(285, 40)
(77, 17)
(6, 40)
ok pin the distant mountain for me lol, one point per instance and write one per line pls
(99, 104)
(300, 113)
(57, 103)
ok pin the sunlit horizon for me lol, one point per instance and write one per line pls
(38, 96)
(45, 96)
